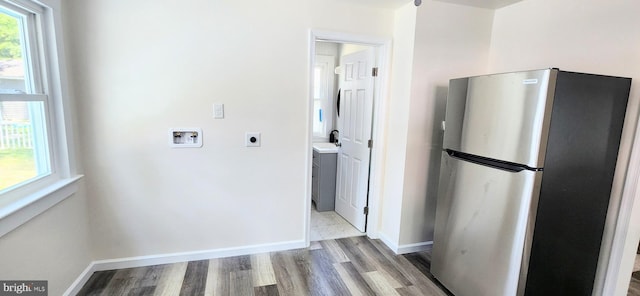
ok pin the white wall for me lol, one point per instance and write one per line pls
(357, 17)
(450, 41)
(140, 69)
(578, 35)
(53, 246)
(397, 123)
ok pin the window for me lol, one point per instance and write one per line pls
(34, 134)
(323, 80)
(24, 144)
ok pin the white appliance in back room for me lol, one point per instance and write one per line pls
(526, 176)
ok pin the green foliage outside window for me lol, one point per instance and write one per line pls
(9, 38)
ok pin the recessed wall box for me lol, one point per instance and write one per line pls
(185, 137)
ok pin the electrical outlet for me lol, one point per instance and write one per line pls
(252, 139)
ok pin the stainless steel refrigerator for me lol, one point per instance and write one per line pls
(526, 175)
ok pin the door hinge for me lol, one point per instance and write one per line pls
(366, 210)
(370, 144)
(374, 72)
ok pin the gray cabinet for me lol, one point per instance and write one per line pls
(323, 180)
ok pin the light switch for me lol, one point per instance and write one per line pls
(218, 111)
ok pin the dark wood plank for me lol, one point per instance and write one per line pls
(420, 262)
(124, 281)
(354, 277)
(313, 283)
(142, 291)
(134, 281)
(152, 275)
(97, 283)
(382, 263)
(231, 264)
(411, 272)
(360, 261)
(195, 278)
(244, 262)
(270, 290)
(322, 270)
(634, 285)
(332, 247)
(241, 283)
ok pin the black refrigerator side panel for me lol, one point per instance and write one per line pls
(584, 137)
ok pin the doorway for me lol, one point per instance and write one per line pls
(347, 60)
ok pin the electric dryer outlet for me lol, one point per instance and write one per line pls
(252, 139)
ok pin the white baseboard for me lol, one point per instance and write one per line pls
(82, 279)
(412, 248)
(140, 261)
(393, 246)
(405, 249)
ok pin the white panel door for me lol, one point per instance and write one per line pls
(354, 125)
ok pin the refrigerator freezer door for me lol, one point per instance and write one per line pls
(502, 116)
(481, 226)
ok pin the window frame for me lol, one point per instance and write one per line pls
(32, 48)
(26, 200)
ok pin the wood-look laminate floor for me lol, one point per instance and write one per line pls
(347, 266)
(634, 284)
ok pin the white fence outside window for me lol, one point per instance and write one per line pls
(15, 135)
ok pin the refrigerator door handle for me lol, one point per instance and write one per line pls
(490, 162)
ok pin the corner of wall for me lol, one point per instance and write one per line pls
(450, 41)
(397, 123)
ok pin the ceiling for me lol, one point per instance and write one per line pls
(393, 4)
(491, 4)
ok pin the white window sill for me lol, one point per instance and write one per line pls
(20, 211)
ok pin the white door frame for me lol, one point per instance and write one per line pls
(383, 57)
(622, 231)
